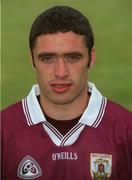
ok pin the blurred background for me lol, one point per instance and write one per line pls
(112, 25)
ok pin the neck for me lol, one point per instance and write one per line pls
(65, 111)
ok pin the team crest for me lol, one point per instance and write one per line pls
(28, 169)
(101, 165)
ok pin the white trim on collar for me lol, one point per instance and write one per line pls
(92, 116)
(31, 107)
(94, 112)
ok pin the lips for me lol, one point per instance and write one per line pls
(60, 87)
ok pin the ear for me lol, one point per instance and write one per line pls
(92, 57)
(31, 59)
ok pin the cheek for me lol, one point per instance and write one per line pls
(40, 74)
(83, 78)
(42, 71)
(44, 76)
(81, 73)
(84, 75)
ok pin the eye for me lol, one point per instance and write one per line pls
(73, 58)
(47, 59)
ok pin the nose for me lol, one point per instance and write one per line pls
(61, 69)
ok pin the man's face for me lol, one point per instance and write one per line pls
(61, 63)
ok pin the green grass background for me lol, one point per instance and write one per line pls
(112, 25)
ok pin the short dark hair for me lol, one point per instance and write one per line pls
(61, 19)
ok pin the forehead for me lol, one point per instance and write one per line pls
(59, 41)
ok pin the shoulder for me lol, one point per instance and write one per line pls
(12, 114)
(117, 111)
(117, 119)
(13, 109)
(13, 120)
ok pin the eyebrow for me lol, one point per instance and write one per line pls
(44, 54)
(73, 53)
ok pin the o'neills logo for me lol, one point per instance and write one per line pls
(64, 155)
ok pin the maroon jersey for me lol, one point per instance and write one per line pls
(98, 147)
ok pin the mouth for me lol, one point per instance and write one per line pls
(60, 87)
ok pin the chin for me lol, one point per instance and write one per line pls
(62, 101)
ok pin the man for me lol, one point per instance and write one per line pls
(65, 129)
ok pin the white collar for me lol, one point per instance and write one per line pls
(92, 115)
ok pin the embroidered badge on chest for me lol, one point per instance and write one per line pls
(29, 169)
(101, 165)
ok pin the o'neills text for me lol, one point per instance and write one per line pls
(64, 155)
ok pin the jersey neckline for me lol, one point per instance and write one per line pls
(92, 115)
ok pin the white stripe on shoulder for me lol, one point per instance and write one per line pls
(26, 112)
(101, 113)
